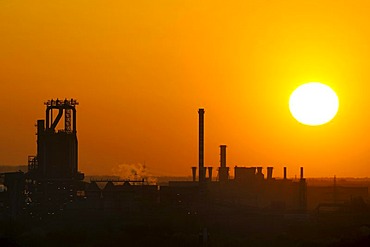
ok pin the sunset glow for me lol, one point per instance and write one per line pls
(313, 103)
(141, 70)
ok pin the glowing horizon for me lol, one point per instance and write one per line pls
(141, 70)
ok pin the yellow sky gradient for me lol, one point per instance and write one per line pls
(141, 69)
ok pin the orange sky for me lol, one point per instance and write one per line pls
(141, 69)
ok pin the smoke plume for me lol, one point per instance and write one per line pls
(136, 171)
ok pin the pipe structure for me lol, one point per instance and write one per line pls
(222, 155)
(259, 175)
(302, 173)
(194, 172)
(62, 106)
(259, 170)
(57, 119)
(269, 172)
(210, 173)
(223, 170)
(201, 145)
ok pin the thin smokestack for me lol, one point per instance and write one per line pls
(269, 172)
(222, 155)
(302, 173)
(284, 172)
(194, 172)
(201, 145)
(223, 171)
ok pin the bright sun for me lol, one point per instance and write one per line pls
(313, 103)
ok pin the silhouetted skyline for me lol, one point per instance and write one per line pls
(53, 197)
(184, 132)
(141, 69)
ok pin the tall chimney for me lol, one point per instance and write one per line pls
(302, 173)
(194, 171)
(269, 172)
(201, 146)
(222, 155)
(223, 171)
(284, 172)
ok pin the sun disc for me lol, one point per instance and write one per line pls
(313, 104)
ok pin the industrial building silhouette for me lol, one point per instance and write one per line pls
(248, 188)
(57, 150)
(54, 185)
(53, 180)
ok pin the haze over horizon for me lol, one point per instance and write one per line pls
(141, 70)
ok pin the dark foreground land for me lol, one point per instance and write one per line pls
(168, 226)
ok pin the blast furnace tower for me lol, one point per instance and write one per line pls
(57, 150)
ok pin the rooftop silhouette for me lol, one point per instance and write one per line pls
(53, 191)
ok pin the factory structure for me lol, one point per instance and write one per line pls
(54, 185)
(248, 188)
(53, 177)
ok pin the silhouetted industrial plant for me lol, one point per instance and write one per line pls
(54, 190)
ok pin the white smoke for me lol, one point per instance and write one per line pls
(136, 171)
